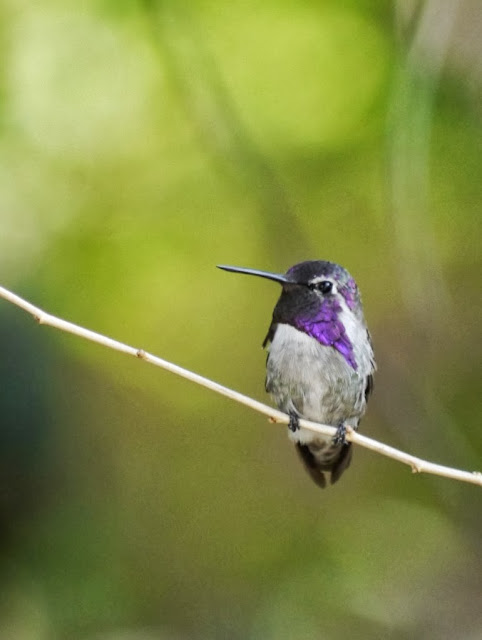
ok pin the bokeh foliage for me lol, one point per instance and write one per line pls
(141, 143)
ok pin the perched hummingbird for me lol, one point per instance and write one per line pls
(320, 360)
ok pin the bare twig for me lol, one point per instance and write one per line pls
(417, 464)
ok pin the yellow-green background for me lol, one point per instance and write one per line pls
(142, 143)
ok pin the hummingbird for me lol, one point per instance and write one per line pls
(320, 361)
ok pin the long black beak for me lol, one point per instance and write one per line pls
(277, 277)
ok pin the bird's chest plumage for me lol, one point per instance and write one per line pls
(313, 380)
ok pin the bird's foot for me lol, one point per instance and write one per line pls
(340, 436)
(294, 424)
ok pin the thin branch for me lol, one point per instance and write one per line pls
(417, 464)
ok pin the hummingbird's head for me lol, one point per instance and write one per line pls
(322, 283)
(321, 299)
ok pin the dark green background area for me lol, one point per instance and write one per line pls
(141, 144)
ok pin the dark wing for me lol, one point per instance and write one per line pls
(270, 334)
(269, 338)
(368, 387)
(369, 380)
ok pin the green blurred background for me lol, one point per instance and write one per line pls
(141, 143)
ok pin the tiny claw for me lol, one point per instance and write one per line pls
(340, 436)
(294, 424)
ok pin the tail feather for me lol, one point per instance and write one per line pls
(316, 470)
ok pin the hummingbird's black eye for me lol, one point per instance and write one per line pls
(325, 286)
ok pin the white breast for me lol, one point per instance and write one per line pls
(314, 380)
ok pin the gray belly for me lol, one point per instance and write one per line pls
(313, 380)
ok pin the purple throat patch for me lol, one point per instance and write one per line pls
(327, 328)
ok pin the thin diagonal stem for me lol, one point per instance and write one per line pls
(417, 464)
